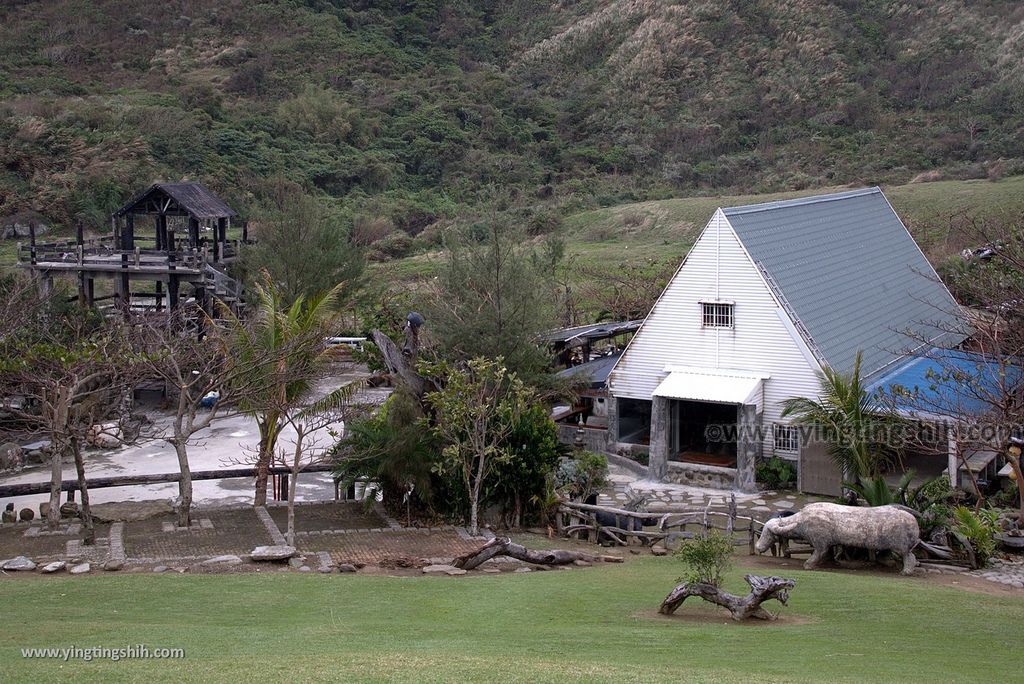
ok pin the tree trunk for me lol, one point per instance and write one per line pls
(267, 442)
(742, 607)
(184, 483)
(56, 477)
(83, 489)
(296, 461)
(503, 546)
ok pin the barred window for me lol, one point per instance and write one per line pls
(787, 438)
(717, 315)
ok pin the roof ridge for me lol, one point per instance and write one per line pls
(799, 201)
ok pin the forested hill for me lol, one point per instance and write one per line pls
(406, 112)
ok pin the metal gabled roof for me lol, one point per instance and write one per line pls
(851, 274)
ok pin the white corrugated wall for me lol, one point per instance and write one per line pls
(717, 268)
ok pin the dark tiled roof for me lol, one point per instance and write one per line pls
(191, 198)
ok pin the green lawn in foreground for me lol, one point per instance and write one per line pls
(597, 624)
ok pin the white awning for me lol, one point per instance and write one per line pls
(714, 385)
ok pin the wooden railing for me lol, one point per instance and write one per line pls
(102, 251)
(604, 524)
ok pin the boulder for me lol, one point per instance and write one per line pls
(55, 566)
(227, 559)
(11, 457)
(104, 436)
(26, 514)
(80, 569)
(346, 567)
(130, 511)
(161, 568)
(18, 564)
(277, 552)
(439, 568)
(113, 564)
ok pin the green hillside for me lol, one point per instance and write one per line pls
(406, 113)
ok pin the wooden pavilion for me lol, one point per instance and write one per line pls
(188, 244)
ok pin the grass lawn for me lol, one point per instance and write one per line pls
(597, 624)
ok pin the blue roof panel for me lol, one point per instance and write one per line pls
(948, 384)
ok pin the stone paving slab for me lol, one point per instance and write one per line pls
(235, 531)
(14, 542)
(341, 515)
(374, 547)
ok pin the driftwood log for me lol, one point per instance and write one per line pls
(742, 607)
(503, 546)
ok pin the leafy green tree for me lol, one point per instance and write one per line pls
(493, 296)
(293, 334)
(852, 422)
(302, 246)
(477, 410)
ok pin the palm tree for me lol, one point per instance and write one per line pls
(848, 419)
(292, 334)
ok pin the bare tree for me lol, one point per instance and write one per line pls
(203, 374)
(977, 398)
(317, 428)
(65, 376)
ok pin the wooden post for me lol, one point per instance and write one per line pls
(124, 284)
(159, 295)
(128, 237)
(245, 231)
(90, 292)
(172, 278)
(32, 242)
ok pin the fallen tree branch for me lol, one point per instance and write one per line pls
(503, 546)
(742, 607)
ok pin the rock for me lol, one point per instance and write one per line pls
(783, 504)
(105, 436)
(659, 551)
(161, 568)
(582, 563)
(113, 564)
(524, 570)
(438, 568)
(455, 571)
(305, 568)
(9, 515)
(80, 569)
(11, 457)
(44, 510)
(55, 566)
(296, 561)
(227, 559)
(272, 553)
(326, 569)
(346, 567)
(26, 514)
(130, 511)
(493, 571)
(18, 564)
(69, 509)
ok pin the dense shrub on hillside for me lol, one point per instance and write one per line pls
(415, 111)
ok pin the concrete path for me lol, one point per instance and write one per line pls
(663, 496)
(228, 442)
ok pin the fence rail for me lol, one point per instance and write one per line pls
(625, 527)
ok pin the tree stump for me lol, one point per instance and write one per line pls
(503, 546)
(742, 607)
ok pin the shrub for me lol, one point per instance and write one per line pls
(775, 473)
(581, 475)
(979, 529)
(707, 558)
